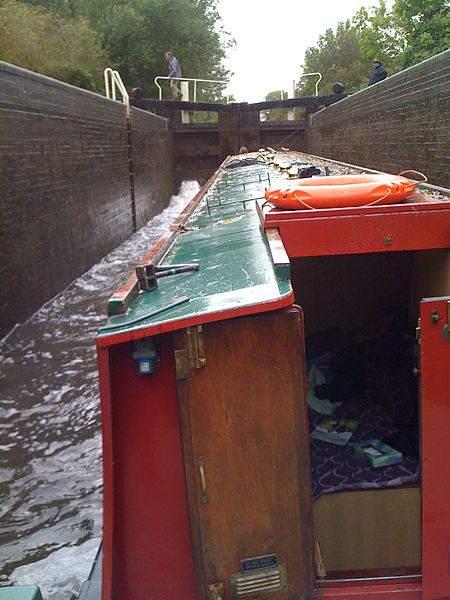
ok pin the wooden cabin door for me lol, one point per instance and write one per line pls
(246, 450)
(435, 425)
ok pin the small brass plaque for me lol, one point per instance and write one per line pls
(258, 562)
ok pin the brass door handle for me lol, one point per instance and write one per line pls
(201, 469)
(216, 591)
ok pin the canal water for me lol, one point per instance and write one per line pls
(50, 470)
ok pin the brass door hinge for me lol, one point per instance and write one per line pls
(193, 356)
(417, 370)
(195, 348)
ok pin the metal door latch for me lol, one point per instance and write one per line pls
(436, 317)
(216, 591)
(446, 328)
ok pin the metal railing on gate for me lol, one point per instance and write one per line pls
(291, 116)
(184, 84)
(184, 79)
(317, 82)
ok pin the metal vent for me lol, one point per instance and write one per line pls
(258, 582)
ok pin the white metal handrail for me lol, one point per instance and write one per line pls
(317, 82)
(195, 81)
(113, 81)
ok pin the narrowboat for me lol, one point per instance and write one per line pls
(275, 396)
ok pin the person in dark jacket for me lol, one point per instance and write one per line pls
(174, 71)
(379, 72)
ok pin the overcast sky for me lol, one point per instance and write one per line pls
(271, 39)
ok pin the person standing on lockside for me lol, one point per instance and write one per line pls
(174, 72)
(379, 72)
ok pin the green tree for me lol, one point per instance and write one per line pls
(379, 37)
(337, 57)
(67, 49)
(413, 31)
(136, 33)
(275, 114)
(138, 41)
(425, 27)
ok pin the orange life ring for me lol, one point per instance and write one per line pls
(341, 191)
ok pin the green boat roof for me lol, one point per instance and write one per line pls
(20, 592)
(236, 275)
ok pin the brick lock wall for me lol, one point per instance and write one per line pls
(151, 140)
(400, 123)
(64, 185)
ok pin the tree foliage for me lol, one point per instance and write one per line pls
(379, 37)
(33, 38)
(275, 114)
(337, 57)
(74, 40)
(425, 26)
(140, 31)
(135, 34)
(413, 31)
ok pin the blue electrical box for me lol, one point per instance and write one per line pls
(144, 354)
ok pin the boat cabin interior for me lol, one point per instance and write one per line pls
(361, 315)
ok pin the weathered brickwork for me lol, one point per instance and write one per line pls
(152, 163)
(65, 185)
(400, 123)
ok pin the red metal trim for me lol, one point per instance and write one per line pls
(357, 234)
(127, 336)
(435, 418)
(107, 454)
(274, 217)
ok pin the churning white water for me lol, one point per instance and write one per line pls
(50, 469)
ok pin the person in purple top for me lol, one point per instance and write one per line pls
(174, 71)
(379, 72)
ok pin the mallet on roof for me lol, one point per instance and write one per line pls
(148, 275)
